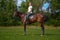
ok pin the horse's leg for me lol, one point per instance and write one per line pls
(42, 26)
(24, 28)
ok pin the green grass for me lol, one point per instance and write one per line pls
(17, 33)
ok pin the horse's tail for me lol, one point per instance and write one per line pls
(46, 18)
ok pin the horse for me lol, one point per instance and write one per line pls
(35, 18)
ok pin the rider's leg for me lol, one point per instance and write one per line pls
(27, 17)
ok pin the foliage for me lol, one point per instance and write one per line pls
(7, 8)
(55, 4)
(24, 7)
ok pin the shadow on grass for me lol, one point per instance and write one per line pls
(53, 34)
(45, 34)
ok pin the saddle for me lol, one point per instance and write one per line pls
(29, 17)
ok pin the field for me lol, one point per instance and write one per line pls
(33, 33)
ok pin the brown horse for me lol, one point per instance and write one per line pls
(36, 18)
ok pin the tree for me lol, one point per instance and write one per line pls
(55, 4)
(7, 8)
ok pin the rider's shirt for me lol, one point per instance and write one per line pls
(30, 9)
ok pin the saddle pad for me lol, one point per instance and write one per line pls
(31, 17)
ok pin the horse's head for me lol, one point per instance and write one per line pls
(16, 13)
(19, 14)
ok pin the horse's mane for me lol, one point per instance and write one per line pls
(20, 12)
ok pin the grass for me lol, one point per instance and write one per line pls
(33, 33)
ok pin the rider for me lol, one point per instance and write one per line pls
(29, 12)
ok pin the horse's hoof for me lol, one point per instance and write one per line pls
(24, 34)
(26, 22)
(41, 35)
